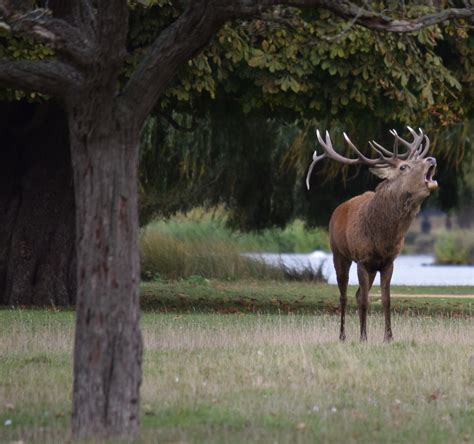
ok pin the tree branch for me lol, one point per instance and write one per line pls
(177, 125)
(174, 46)
(67, 40)
(381, 22)
(49, 77)
(361, 16)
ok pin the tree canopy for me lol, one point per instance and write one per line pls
(301, 70)
(311, 64)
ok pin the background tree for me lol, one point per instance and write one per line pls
(37, 260)
(37, 264)
(262, 87)
(105, 116)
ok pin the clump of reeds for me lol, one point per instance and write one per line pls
(164, 256)
(200, 244)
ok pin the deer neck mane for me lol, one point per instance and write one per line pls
(391, 211)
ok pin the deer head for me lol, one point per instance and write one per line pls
(409, 171)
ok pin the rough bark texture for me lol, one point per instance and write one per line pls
(37, 253)
(108, 344)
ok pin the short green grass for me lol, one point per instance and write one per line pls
(204, 295)
(259, 375)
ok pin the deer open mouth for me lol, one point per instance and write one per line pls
(429, 181)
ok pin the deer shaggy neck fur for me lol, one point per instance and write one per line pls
(372, 226)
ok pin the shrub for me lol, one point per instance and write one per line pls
(455, 247)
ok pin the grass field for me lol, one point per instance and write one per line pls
(260, 375)
(297, 298)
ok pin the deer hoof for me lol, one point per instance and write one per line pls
(388, 338)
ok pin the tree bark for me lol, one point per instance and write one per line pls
(37, 252)
(108, 344)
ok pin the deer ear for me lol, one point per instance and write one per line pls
(382, 172)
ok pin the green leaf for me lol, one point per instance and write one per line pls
(294, 85)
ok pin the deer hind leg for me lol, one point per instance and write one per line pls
(342, 266)
(366, 279)
(385, 278)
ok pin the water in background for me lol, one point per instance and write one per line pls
(408, 270)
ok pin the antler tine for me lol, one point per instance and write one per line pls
(381, 150)
(364, 159)
(316, 159)
(398, 139)
(424, 151)
(395, 146)
(412, 131)
(359, 154)
(414, 147)
(419, 148)
(331, 152)
(395, 156)
(391, 160)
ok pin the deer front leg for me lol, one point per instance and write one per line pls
(366, 279)
(385, 279)
(342, 265)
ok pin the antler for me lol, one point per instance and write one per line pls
(415, 148)
(385, 157)
(361, 159)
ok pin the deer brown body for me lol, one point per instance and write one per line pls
(369, 229)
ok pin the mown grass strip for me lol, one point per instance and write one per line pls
(295, 298)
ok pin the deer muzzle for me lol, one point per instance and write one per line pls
(430, 172)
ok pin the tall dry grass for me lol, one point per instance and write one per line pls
(163, 256)
(221, 378)
(201, 244)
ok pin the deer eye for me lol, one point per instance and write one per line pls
(404, 167)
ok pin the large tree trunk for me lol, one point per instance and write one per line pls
(108, 344)
(37, 253)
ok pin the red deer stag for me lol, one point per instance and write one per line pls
(369, 229)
